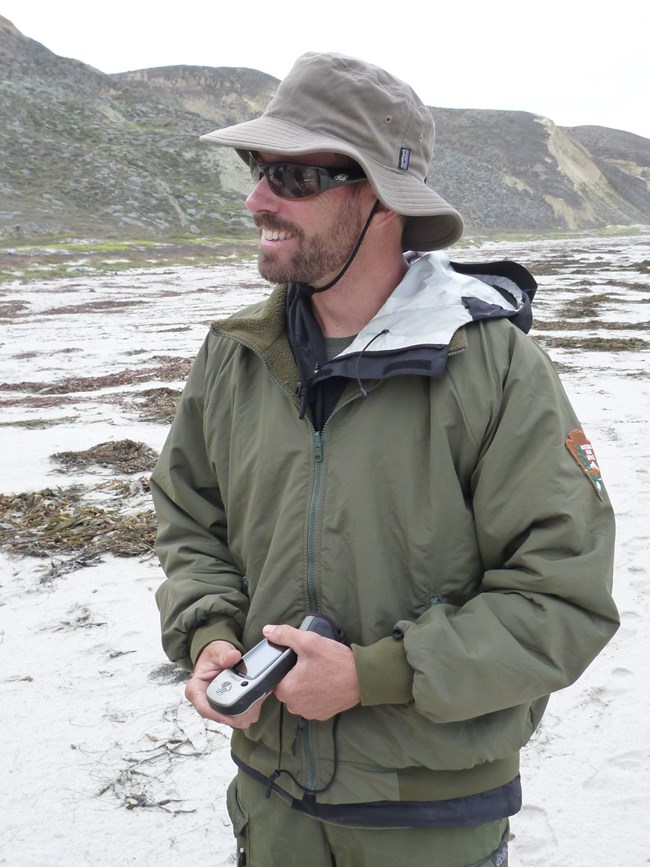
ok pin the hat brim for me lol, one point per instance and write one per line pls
(431, 223)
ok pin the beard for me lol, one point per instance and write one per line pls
(319, 256)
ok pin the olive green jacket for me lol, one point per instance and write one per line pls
(444, 523)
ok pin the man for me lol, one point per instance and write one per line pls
(381, 443)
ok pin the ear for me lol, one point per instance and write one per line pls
(384, 216)
(389, 221)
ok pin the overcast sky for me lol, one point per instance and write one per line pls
(573, 61)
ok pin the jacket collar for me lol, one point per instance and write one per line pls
(413, 333)
(433, 301)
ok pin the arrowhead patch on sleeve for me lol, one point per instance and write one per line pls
(583, 454)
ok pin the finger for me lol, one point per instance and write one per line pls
(241, 721)
(285, 636)
(195, 693)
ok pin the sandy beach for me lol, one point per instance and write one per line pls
(104, 763)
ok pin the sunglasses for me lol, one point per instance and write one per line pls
(295, 181)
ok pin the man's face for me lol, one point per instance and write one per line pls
(307, 240)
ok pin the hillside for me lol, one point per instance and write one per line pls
(88, 154)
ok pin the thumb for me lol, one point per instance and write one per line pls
(217, 655)
(283, 635)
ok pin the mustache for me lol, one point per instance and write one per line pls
(269, 221)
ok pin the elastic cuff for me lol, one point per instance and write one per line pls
(385, 677)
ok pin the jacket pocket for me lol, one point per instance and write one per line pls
(537, 709)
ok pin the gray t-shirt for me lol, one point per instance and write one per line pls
(335, 345)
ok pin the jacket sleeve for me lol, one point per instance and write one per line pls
(203, 596)
(545, 531)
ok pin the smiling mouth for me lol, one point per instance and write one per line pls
(275, 235)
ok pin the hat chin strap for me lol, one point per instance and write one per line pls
(312, 290)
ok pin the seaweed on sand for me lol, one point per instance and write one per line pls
(122, 456)
(65, 521)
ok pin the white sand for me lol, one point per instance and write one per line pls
(104, 762)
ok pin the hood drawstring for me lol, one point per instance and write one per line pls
(363, 391)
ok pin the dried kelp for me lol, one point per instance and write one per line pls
(168, 368)
(594, 344)
(158, 404)
(65, 521)
(122, 456)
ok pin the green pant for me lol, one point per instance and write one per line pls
(271, 834)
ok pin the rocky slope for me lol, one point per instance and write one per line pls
(88, 154)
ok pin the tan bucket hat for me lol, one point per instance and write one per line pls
(331, 102)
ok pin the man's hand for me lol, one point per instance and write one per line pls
(324, 680)
(212, 660)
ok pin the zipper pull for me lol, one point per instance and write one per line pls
(318, 447)
(297, 734)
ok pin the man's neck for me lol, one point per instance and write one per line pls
(349, 305)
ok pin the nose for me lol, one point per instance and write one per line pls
(261, 198)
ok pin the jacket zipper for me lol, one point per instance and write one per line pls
(318, 438)
(312, 592)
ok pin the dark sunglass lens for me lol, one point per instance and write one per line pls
(293, 181)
